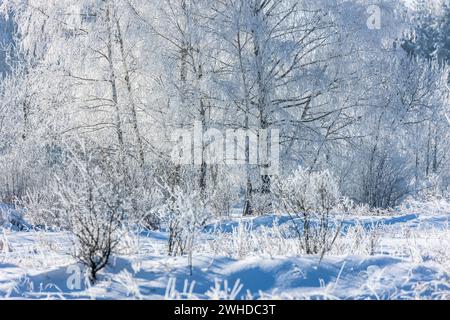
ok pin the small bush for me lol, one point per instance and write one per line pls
(309, 199)
(95, 206)
(184, 215)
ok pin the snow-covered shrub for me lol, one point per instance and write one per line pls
(222, 195)
(147, 203)
(38, 208)
(246, 241)
(18, 172)
(309, 197)
(12, 177)
(431, 188)
(427, 206)
(358, 240)
(262, 203)
(183, 215)
(12, 218)
(384, 179)
(349, 207)
(94, 203)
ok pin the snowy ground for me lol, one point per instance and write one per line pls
(403, 256)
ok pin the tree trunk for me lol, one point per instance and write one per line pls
(112, 81)
(134, 119)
